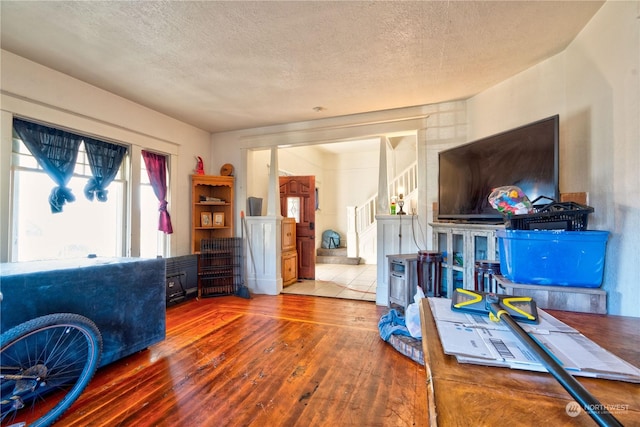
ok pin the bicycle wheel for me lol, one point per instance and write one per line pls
(46, 363)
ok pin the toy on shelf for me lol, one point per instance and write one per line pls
(199, 166)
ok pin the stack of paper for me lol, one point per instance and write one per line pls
(478, 340)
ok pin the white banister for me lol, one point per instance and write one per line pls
(407, 181)
(361, 239)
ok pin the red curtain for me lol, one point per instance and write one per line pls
(157, 169)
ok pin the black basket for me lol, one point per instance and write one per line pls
(569, 216)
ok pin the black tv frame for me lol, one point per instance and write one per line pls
(515, 135)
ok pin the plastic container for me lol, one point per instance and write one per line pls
(569, 216)
(553, 257)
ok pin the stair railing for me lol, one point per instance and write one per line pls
(406, 181)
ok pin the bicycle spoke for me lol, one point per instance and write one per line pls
(56, 356)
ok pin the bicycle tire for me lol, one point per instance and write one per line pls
(63, 349)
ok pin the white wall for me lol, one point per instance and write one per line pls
(447, 128)
(33, 91)
(404, 154)
(258, 181)
(355, 180)
(595, 87)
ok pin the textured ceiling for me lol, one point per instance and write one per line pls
(233, 65)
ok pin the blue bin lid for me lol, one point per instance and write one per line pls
(589, 235)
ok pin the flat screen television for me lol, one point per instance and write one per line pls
(526, 157)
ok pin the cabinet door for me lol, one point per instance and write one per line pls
(289, 268)
(288, 234)
(461, 248)
(397, 290)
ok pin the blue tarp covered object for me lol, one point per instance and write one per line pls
(330, 239)
(392, 324)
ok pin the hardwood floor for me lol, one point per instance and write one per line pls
(286, 360)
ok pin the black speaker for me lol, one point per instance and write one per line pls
(181, 278)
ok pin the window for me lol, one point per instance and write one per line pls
(83, 228)
(152, 241)
(293, 208)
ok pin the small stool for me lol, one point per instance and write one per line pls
(483, 275)
(429, 272)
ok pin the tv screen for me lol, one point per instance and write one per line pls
(526, 157)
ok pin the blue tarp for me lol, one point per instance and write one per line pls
(392, 324)
(330, 240)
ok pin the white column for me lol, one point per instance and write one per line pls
(383, 181)
(424, 204)
(352, 233)
(264, 240)
(6, 139)
(133, 239)
(273, 195)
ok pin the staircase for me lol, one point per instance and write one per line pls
(407, 180)
(335, 256)
(362, 231)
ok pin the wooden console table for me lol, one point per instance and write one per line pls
(465, 395)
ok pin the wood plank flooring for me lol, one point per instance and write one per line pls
(286, 360)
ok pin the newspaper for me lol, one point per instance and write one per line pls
(475, 339)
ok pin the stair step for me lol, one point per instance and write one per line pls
(331, 252)
(328, 259)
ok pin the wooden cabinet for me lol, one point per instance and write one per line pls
(288, 234)
(289, 268)
(289, 253)
(212, 208)
(219, 253)
(461, 246)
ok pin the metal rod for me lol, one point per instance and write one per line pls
(588, 402)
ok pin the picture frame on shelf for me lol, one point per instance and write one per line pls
(206, 219)
(218, 219)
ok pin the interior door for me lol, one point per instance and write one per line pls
(298, 200)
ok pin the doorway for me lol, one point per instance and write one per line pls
(346, 175)
(298, 200)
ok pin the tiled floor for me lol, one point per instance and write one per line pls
(339, 281)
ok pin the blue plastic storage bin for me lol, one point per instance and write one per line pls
(553, 257)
